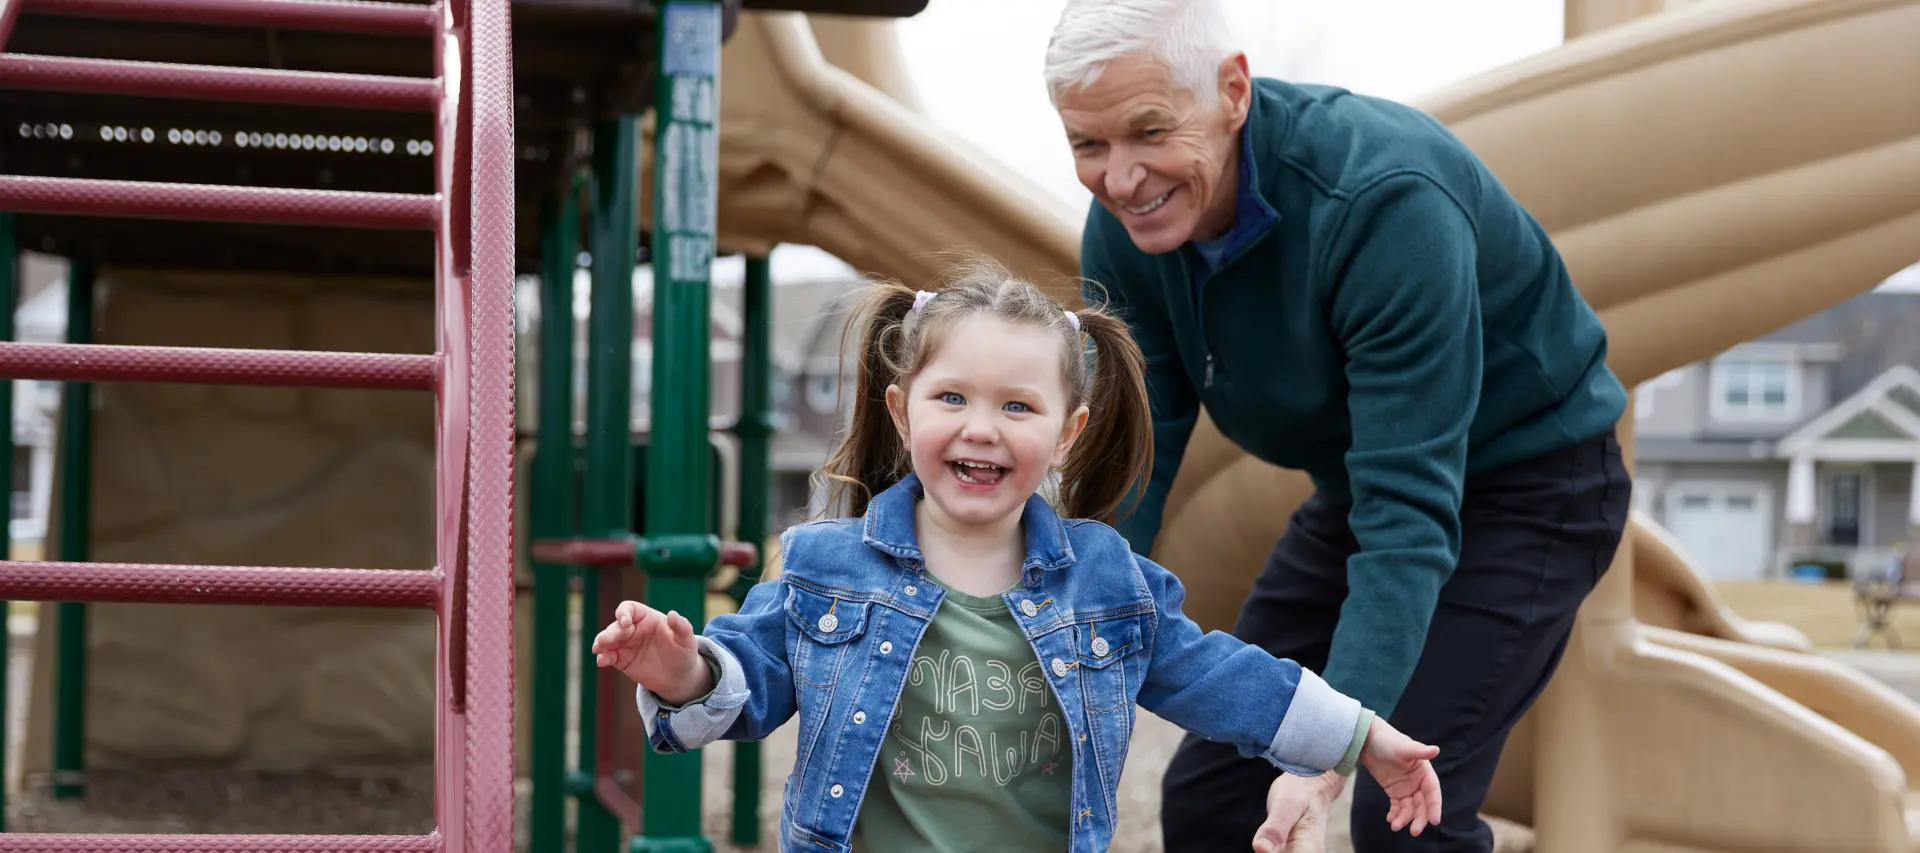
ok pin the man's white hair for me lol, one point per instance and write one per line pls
(1189, 37)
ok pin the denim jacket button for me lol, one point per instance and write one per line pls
(1099, 647)
(1059, 668)
(829, 622)
(836, 791)
(912, 590)
(1028, 607)
(859, 717)
(886, 647)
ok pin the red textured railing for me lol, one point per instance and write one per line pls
(286, 587)
(485, 234)
(471, 213)
(214, 82)
(103, 843)
(9, 15)
(341, 16)
(273, 368)
(620, 552)
(205, 203)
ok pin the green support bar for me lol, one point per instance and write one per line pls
(755, 431)
(76, 516)
(553, 512)
(9, 297)
(678, 460)
(606, 508)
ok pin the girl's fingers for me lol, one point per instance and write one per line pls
(682, 630)
(629, 612)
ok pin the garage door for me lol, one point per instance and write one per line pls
(1727, 528)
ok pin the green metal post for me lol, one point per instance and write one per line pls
(679, 466)
(553, 514)
(9, 296)
(755, 430)
(606, 507)
(76, 488)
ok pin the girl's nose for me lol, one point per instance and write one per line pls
(979, 429)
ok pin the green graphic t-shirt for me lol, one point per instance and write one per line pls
(977, 757)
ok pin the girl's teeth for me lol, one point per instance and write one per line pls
(966, 471)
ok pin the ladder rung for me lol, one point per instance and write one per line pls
(214, 203)
(105, 843)
(278, 368)
(142, 583)
(213, 82)
(342, 16)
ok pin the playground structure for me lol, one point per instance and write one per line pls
(467, 208)
(1711, 173)
(1744, 163)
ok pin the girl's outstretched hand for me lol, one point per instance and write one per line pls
(1404, 768)
(656, 650)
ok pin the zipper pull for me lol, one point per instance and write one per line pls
(1209, 380)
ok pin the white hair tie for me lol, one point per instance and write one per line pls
(920, 300)
(1073, 320)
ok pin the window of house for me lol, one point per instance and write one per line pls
(1843, 510)
(1762, 389)
(823, 392)
(22, 482)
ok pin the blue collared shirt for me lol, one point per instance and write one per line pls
(1252, 216)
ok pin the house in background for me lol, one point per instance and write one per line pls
(808, 286)
(1802, 445)
(40, 317)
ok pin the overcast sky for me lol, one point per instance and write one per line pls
(1392, 48)
(976, 65)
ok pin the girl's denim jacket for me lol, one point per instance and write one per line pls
(833, 637)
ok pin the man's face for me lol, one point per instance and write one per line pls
(1161, 163)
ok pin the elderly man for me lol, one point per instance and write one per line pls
(1349, 291)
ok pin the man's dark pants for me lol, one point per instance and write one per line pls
(1535, 538)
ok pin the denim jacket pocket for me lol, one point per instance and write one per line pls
(1100, 648)
(827, 624)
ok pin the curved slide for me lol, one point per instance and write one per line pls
(1710, 173)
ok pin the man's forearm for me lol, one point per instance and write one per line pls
(1383, 625)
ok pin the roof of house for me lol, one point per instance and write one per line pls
(1877, 330)
(1887, 408)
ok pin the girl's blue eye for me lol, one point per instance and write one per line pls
(953, 399)
(1022, 407)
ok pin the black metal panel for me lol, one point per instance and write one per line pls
(575, 62)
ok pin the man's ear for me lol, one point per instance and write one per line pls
(897, 407)
(1236, 89)
(1069, 433)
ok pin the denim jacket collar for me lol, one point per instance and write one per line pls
(889, 521)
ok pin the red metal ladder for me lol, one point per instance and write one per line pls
(471, 373)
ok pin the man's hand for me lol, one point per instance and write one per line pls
(1297, 809)
(1404, 768)
(656, 650)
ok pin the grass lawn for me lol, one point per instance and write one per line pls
(1824, 611)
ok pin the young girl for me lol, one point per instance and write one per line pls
(965, 662)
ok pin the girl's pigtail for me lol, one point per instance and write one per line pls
(1116, 448)
(870, 457)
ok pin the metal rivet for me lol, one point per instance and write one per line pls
(1028, 608)
(859, 717)
(829, 622)
(1099, 647)
(836, 791)
(886, 646)
(912, 590)
(1059, 668)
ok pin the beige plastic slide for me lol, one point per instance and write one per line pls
(1711, 173)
